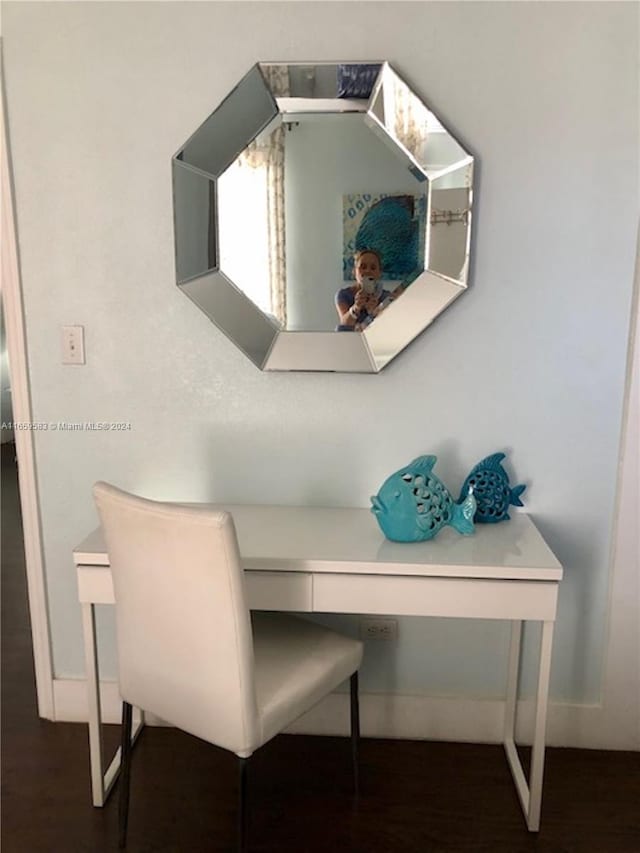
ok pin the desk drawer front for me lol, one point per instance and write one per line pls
(433, 596)
(279, 591)
(95, 585)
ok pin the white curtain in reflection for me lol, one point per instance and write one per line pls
(277, 79)
(411, 120)
(268, 156)
(277, 243)
(242, 230)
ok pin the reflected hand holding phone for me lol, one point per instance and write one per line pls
(370, 285)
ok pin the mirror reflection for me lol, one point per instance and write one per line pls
(296, 206)
(344, 193)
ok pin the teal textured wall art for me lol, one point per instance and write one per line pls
(393, 225)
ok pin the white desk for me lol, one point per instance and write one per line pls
(319, 560)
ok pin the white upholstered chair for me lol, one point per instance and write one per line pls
(190, 652)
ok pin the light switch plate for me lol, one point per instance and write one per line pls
(73, 345)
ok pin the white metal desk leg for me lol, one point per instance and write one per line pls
(512, 681)
(93, 699)
(511, 704)
(537, 752)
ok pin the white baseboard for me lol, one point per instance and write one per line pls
(408, 717)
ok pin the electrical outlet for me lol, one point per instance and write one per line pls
(379, 629)
(73, 344)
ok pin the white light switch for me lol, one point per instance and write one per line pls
(73, 345)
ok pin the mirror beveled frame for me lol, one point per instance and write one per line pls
(249, 110)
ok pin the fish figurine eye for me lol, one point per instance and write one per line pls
(407, 478)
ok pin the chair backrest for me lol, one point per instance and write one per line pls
(185, 648)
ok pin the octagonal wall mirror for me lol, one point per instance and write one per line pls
(314, 190)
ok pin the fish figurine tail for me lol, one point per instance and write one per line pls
(462, 518)
(514, 500)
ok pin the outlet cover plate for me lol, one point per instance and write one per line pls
(378, 629)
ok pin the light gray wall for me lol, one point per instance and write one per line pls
(530, 360)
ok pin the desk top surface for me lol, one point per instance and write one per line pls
(348, 540)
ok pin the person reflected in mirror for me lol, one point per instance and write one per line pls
(359, 303)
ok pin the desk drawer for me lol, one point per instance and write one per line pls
(95, 585)
(279, 591)
(435, 596)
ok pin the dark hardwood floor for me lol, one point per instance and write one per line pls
(416, 797)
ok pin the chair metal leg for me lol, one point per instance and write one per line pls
(125, 774)
(355, 731)
(243, 807)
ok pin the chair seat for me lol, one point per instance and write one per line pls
(297, 663)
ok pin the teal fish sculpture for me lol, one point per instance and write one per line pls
(413, 505)
(491, 488)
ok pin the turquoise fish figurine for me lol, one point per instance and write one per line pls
(491, 488)
(413, 504)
